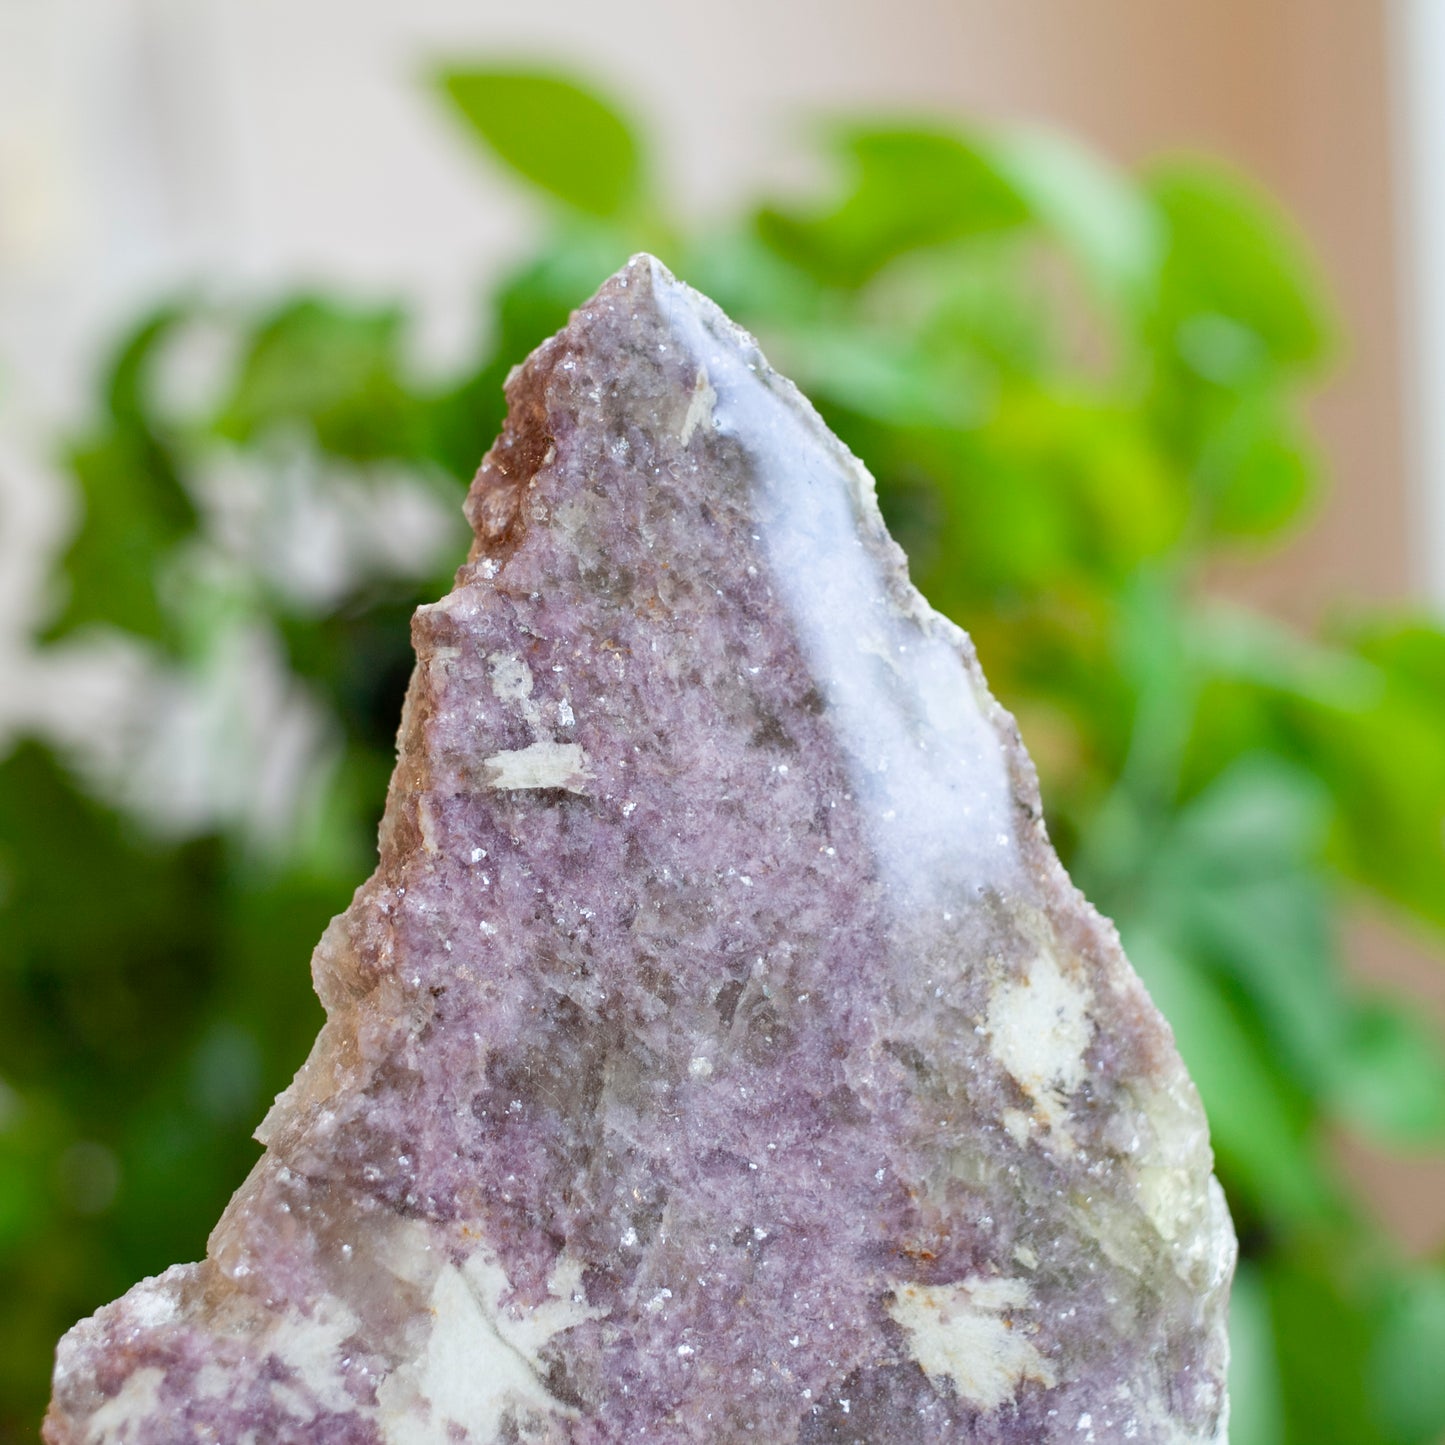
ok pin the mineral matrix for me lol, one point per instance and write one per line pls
(719, 1052)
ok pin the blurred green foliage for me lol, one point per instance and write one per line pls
(1077, 389)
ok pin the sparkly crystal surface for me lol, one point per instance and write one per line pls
(719, 1051)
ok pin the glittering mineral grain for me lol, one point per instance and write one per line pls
(719, 1052)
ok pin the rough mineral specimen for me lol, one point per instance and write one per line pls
(719, 1052)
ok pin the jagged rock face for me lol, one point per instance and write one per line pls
(719, 1052)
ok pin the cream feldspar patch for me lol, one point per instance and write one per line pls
(968, 1333)
(699, 407)
(1040, 1027)
(138, 1397)
(479, 1359)
(512, 682)
(153, 1301)
(541, 765)
(310, 1346)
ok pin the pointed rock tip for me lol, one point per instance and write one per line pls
(647, 284)
(611, 345)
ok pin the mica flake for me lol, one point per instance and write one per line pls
(719, 1052)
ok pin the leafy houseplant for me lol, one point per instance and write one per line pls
(1076, 388)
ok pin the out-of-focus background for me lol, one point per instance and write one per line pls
(1137, 312)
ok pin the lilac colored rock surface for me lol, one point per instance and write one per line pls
(719, 1052)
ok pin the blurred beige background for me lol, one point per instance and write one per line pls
(261, 143)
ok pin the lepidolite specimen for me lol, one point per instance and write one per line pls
(719, 1052)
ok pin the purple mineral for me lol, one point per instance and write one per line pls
(719, 1052)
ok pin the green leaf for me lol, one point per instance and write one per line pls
(1236, 883)
(101, 928)
(885, 376)
(1256, 1416)
(30, 1138)
(336, 372)
(1324, 1329)
(1256, 469)
(128, 386)
(749, 279)
(1391, 1075)
(561, 138)
(1408, 1383)
(1099, 215)
(1231, 642)
(135, 513)
(1054, 489)
(975, 298)
(911, 187)
(1410, 650)
(1384, 764)
(1240, 289)
(135, 508)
